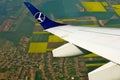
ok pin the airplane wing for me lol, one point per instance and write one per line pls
(109, 71)
(102, 41)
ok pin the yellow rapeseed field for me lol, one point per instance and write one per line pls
(90, 55)
(38, 47)
(105, 3)
(53, 38)
(116, 8)
(43, 32)
(97, 64)
(94, 7)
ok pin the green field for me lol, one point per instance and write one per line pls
(63, 11)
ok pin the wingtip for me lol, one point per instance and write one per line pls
(26, 3)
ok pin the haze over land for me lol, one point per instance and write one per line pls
(22, 40)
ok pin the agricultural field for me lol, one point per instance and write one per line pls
(42, 42)
(25, 49)
(94, 7)
(117, 8)
(37, 47)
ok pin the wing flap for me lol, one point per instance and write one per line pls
(67, 50)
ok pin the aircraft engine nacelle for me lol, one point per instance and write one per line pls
(66, 50)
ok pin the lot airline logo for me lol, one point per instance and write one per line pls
(40, 17)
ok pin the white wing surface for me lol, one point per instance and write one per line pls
(109, 71)
(102, 41)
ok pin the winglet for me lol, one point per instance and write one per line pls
(41, 18)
